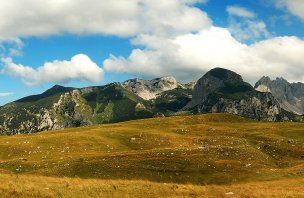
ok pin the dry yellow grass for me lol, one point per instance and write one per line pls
(197, 156)
(34, 186)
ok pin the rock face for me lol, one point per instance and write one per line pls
(150, 89)
(224, 91)
(289, 95)
(257, 106)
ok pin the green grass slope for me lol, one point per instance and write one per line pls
(200, 150)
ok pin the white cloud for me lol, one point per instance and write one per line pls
(240, 11)
(248, 30)
(295, 7)
(189, 56)
(244, 25)
(175, 38)
(5, 94)
(80, 67)
(11, 47)
(125, 18)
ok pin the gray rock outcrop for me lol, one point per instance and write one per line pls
(289, 95)
(150, 89)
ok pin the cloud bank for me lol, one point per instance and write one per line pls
(82, 17)
(80, 68)
(189, 56)
(295, 7)
(170, 37)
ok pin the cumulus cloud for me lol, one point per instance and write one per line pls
(170, 37)
(120, 17)
(240, 11)
(295, 7)
(5, 94)
(80, 68)
(189, 56)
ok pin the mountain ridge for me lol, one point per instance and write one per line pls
(290, 95)
(218, 91)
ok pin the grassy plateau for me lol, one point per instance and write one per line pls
(212, 155)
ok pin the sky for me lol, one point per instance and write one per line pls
(80, 43)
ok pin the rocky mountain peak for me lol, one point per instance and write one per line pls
(282, 80)
(213, 80)
(262, 84)
(224, 75)
(290, 95)
(265, 79)
(224, 91)
(149, 89)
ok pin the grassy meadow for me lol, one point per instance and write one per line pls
(213, 155)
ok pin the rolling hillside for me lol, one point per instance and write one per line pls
(220, 152)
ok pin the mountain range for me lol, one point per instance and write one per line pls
(290, 95)
(218, 91)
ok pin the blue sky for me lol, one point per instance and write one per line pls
(141, 38)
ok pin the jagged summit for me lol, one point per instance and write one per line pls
(290, 95)
(149, 89)
(265, 79)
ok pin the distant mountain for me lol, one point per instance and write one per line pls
(290, 95)
(221, 90)
(62, 107)
(150, 89)
(53, 91)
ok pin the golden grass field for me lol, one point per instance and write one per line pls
(213, 155)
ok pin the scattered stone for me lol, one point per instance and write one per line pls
(247, 165)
